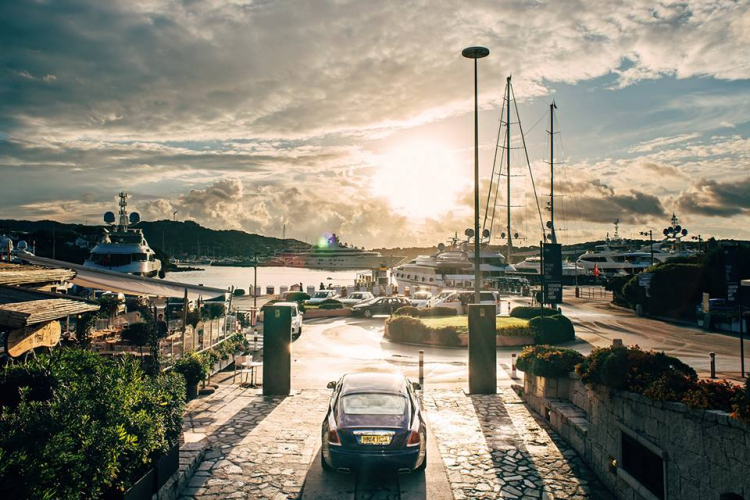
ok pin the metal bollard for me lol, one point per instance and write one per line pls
(513, 366)
(421, 368)
(255, 342)
(713, 364)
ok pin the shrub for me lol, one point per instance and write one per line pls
(632, 369)
(438, 311)
(213, 310)
(514, 331)
(407, 311)
(548, 361)
(296, 297)
(742, 403)
(717, 394)
(532, 312)
(192, 368)
(139, 334)
(239, 292)
(552, 329)
(412, 330)
(99, 428)
(330, 304)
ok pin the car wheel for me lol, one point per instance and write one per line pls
(368, 313)
(299, 332)
(323, 462)
(423, 466)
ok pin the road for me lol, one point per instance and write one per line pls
(331, 347)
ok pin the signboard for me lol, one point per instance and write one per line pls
(25, 339)
(552, 272)
(644, 280)
(732, 273)
(706, 303)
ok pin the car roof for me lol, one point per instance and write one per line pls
(382, 383)
(285, 303)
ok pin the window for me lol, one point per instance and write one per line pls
(140, 257)
(643, 464)
(373, 404)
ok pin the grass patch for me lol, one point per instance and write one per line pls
(505, 326)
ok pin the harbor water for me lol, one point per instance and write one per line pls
(242, 277)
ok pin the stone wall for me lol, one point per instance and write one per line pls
(706, 454)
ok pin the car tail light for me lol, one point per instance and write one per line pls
(333, 435)
(414, 438)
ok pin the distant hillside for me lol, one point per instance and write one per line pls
(176, 239)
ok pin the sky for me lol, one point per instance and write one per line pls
(356, 117)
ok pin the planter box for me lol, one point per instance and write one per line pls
(166, 466)
(546, 387)
(192, 391)
(141, 490)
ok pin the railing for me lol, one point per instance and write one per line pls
(594, 292)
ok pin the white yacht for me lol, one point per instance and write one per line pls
(614, 257)
(123, 248)
(533, 265)
(451, 267)
(332, 254)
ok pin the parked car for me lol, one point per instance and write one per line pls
(322, 295)
(356, 298)
(374, 419)
(296, 317)
(380, 305)
(421, 299)
(458, 300)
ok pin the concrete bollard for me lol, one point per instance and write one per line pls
(310, 290)
(421, 369)
(257, 291)
(283, 289)
(270, 289)
(513, 366)
(713, 364)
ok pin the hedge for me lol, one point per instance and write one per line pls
(548, 361)
(415, 312)
(412, 330)
(296, 297)
(552, 329)
(76, 424)
(330, 304)
(525, 312)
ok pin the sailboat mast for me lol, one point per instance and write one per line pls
(507, 152)
(552, 170)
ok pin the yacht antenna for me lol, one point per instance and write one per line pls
(123, 209)
(552, 108)
(507, 151)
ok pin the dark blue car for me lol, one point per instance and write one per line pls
(374, 419)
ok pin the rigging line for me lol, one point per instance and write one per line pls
(492, 176)
(497, 189)
(531, 174)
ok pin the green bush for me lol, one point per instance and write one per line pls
(139, 334)
(407, 311)
(192, 368)
(429, 312)
(412, 330)
(330, 304)
(296, 297)
(552, 329)
(548, 361)
(741, 403)
(239, 292)
(99, 427)
(713, 394)
(524, 312)
(213, 310)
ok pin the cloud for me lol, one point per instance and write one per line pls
(647, 146)
(716, 199)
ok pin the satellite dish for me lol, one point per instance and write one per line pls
(666, 231)
(22, 245)
(549, 224)
(441, 247)
(684, 232)
(469, 232)
(677, 229)
(485, 233)
(109, 217)
(515, 235)
(134, 217)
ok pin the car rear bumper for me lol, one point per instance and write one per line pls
(355, 459)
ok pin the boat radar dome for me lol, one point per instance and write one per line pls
(134, 217)
(441, 247)
(22, 245)
(109, 217)
(485, 233)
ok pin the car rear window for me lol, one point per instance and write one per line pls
(373, 404)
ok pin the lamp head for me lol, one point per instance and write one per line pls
(475, 52)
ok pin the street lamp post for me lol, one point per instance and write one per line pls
(650, 235)
(476, 53)
(255, 282)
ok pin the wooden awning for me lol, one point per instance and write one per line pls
(20, 308)
(24, 275)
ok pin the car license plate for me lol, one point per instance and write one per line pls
(378, 440)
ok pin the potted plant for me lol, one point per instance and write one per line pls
(171, 394)
(194, 370)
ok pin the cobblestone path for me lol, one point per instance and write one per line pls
(260, 447)
(493, 447)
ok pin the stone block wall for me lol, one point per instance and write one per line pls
(706, 454)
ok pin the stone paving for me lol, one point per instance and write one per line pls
(493, 447)
(260, 447)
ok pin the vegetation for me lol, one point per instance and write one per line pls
(511, 327)
(213, 310)
(330, 304)
(532, 312)
(548, 361)
(139, 334)
(413, 330)
(552, 329)
(192, 367)
(415, 312)
(77, 424)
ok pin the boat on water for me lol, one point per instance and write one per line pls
(124, 248)
(615, 257)
(451, 266)
(332, 254)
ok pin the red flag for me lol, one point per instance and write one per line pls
(596, 270)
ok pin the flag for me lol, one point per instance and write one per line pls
(596, 270)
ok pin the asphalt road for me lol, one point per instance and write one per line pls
(328, 348)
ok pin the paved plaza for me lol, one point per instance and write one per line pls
(480, 447)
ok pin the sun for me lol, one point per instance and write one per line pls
(421, 179)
